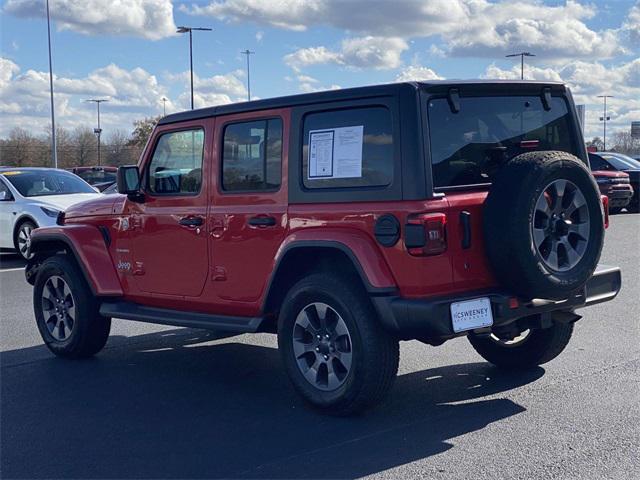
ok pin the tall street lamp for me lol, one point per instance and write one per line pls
(521, 55)
(247, 52)
(164, 107)
(97, 131)
(604, 119)
(54, 152)
(190, 30)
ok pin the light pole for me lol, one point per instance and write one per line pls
(190, 30)
(97, 131)
(164, 107)
(604, 119)
(521, 55)
(247, 52)
(54, 152)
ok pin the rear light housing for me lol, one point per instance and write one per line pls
(605, 210)
(426, 234)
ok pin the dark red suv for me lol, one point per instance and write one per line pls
(343, 221)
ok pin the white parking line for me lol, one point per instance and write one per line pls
(11, 269)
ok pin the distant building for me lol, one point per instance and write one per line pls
(635, 129)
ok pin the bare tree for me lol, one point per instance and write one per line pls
(117, 149)
(85, 147)
(623, 142)
(23, 149)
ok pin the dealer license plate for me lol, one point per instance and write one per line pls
(471, 314)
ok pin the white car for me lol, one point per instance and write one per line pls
(32, 198)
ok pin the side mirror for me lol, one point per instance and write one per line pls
(128, 181)
(4, 196)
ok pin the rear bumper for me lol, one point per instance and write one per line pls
(430, 319)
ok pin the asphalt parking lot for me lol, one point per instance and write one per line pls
(161, 402)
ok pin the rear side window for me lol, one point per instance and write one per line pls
(252, 156)
(348, 148)
(598, 163)
(176, 165)
(469, 146)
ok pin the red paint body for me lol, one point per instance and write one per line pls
(225, 266)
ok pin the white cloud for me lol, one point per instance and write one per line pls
(587, 80)
(416, 73)
(466, 27)
(632, 25)
(151, 19)
(24, 97)
(363, 52)
(209, 91)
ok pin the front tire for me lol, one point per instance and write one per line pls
(66, 311)
(535, 348)
(336, 353)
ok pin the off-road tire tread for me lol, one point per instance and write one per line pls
(92, 329)
(382, 349)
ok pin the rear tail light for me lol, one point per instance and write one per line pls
(605, 210)
(426, 234)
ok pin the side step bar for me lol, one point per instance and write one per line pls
(163, 316)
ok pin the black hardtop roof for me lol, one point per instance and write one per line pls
(436, 86)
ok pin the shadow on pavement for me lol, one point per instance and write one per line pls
(163, 405)
(11, 260)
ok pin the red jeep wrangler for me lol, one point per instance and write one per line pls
(343, 221)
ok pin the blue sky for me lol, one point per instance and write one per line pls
(131, 55)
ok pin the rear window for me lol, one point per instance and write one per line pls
(97, 176)
(469, 146)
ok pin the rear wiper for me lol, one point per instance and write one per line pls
(546, 98)
(454, 100)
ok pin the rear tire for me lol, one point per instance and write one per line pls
(538, 347)
(22, 239)
(615, 210)
(332, 322)
(66, 311)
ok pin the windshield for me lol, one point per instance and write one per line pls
(469, 146)
(620, 161)
(36, 183)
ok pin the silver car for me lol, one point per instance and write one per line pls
(32, 198)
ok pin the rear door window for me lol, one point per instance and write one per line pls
(469, 146)
(252, 156)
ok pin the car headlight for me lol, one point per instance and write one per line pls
(50, 212)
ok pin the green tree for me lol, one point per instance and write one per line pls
(142, 130)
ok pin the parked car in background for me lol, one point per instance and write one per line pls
(611, 162)
(32, 198)
(99, 177)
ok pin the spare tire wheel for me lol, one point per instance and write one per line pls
(543, 225)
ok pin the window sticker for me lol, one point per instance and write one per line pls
(336, 153)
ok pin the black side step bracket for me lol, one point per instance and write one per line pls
(163, 316)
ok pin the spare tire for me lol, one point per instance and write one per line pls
(543, 225)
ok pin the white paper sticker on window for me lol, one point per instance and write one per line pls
(336, 152)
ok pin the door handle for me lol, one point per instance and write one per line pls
(264, 221)
(191, 221)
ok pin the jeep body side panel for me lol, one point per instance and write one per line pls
(354, 224)
(87, 244)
